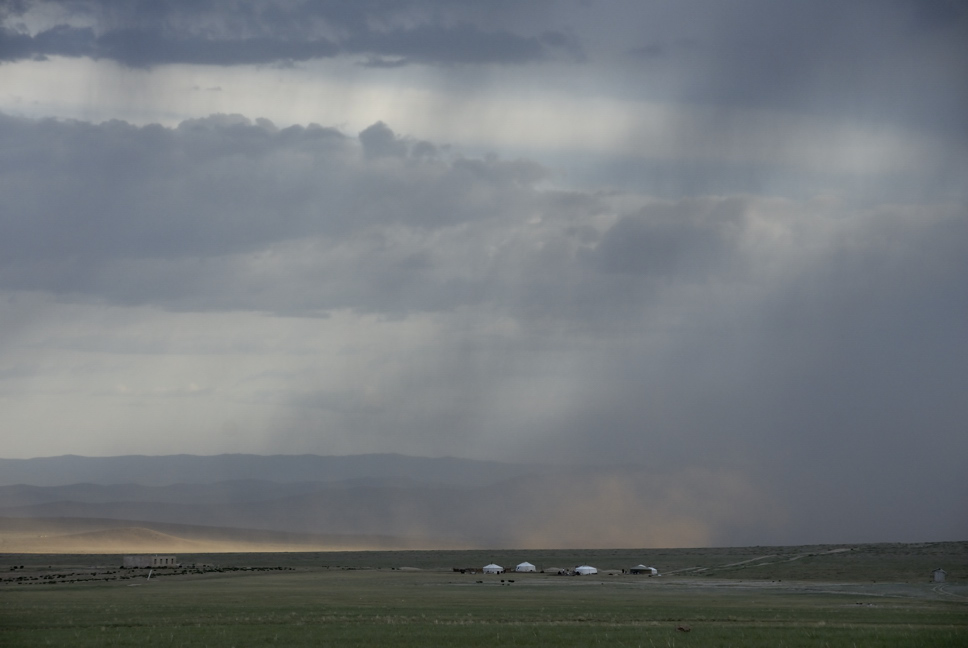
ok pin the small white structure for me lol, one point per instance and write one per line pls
(585, 570)
(493, 569)
(642, 569)
(149, 561)
(939, 575)
(525, 567)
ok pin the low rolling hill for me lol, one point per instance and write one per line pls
(106, 536)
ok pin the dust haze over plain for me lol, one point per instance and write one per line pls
(722, 243)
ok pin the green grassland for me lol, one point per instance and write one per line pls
(753, 596)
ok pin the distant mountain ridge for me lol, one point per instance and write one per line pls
(426, 502)
(167, 470)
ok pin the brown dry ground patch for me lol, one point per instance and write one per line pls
(95, 536)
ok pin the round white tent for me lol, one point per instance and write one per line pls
(642, 569)
(525, 567)
(493, 569)
(585, 570)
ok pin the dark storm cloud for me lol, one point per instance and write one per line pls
(149, 47)
(893, 60)
(84, 200)
(386, 223)
(378, 140)
(59, 41)
(144, 48)
(672, 239)
(148, 34)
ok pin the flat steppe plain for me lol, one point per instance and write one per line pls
(821, 595)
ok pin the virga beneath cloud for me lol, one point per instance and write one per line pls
(669, 233)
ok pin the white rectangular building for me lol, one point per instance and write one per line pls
(149, 561)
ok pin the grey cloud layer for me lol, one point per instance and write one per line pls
(149, 34)
(382, 217)
(85, 200)
(888, 60)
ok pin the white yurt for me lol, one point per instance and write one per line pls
(642, 569)
(525, 567)
(585, 570)
(493, 569)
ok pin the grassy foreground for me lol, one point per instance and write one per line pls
(307, 604)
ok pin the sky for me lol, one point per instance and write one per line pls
(701, 237)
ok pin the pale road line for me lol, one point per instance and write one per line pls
(744, 562)
(942, 589)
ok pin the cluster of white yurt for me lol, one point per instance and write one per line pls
(494, 568)
(580, 570)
